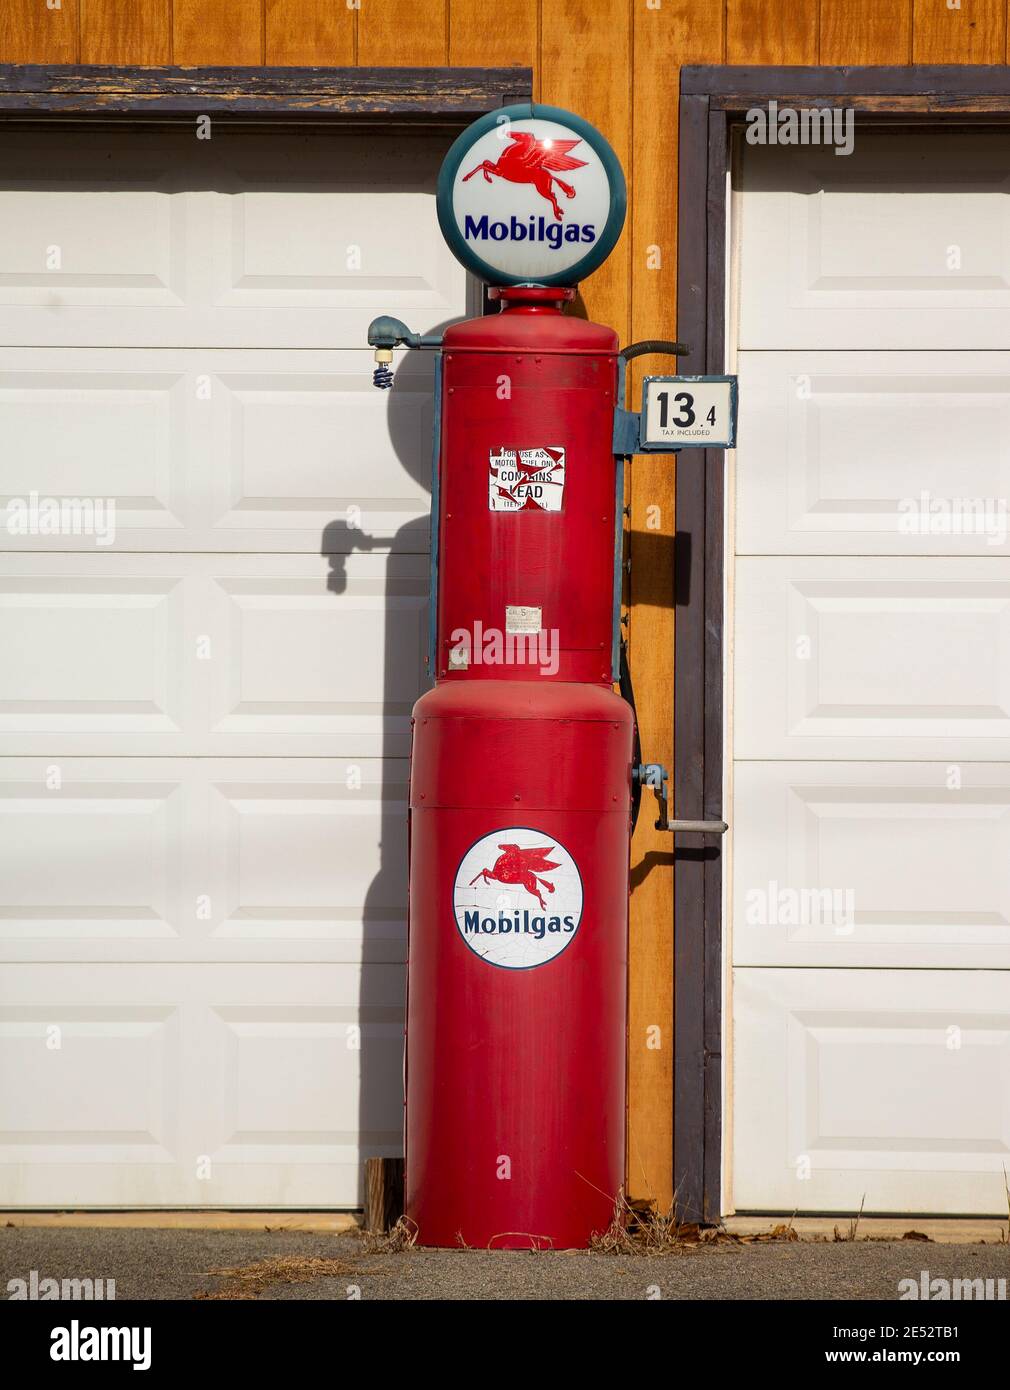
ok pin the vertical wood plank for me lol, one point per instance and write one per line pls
(679, 32)
(973, 33)
(383, 1194)
(226, 33)
(130, 32)
(585, 66)
(31, 32)
(770, 31)
(407, 33)
(309, 33)
(510, 41)
(865, 31)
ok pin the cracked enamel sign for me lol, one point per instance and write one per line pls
(530, 480)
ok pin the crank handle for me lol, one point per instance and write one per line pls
(695, 827)
(654, 775)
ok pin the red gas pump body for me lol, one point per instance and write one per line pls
(520, 803)
(516, 1076)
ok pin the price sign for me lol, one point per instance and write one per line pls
(689, 412)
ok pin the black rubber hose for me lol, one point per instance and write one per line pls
(628, 693)
(654, 345)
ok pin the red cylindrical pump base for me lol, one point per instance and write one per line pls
(516, 1013)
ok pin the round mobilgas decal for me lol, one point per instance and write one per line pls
(517, 898)
(531, 195)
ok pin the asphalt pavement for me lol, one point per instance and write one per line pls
(169, 1264)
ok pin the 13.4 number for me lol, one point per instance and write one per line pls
(687, 417)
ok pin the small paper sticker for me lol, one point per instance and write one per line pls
(526, 480)
(520, 619)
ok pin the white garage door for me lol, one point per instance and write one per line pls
(204, 723)
(871, 677)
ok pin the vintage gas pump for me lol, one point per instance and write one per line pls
(523, 766)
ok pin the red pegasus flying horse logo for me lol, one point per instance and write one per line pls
(529, 160)
(523, 866)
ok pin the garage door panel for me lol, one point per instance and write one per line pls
(214, 451)
(57, 1050)
(211, 654)
(891, 1091)
(235, 1085)
(91, 651)
(302, 861)
(115, 242)
(854, 453)
(876, 658)
(98, 431)
(904, 243)
(356, 468)
(153, 237)
(297, 660)
(872, 864)
(265, 1117)
(203, 859)
(339, 249)
(86, 861)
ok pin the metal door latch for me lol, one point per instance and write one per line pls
(654, 775)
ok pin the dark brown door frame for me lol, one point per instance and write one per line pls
(448, 96)
(714, 100)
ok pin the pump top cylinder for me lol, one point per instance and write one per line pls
(528, 512)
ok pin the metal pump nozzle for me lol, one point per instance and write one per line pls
(385, 334)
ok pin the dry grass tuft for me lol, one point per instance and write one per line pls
(402, 1236)
(250, 1281)
(636, 1228)
(853, 1230)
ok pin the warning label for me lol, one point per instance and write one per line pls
(526, 480)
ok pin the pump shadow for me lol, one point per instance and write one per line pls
(652, 859)
(380, 1105)
(651, 565)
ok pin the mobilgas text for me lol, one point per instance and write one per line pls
(517, 922)
(532, 229)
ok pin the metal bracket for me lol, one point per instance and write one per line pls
(627, 431)
(631, 427)
(654, 775)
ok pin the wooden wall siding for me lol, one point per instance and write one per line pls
(974, 32)
(128, 33)
(768, 31)
(411, 33)
(217, 33)
(862, 32)
(584, 66)
(512, 37)
(31, 32)
(309, 33)
(617, 62)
